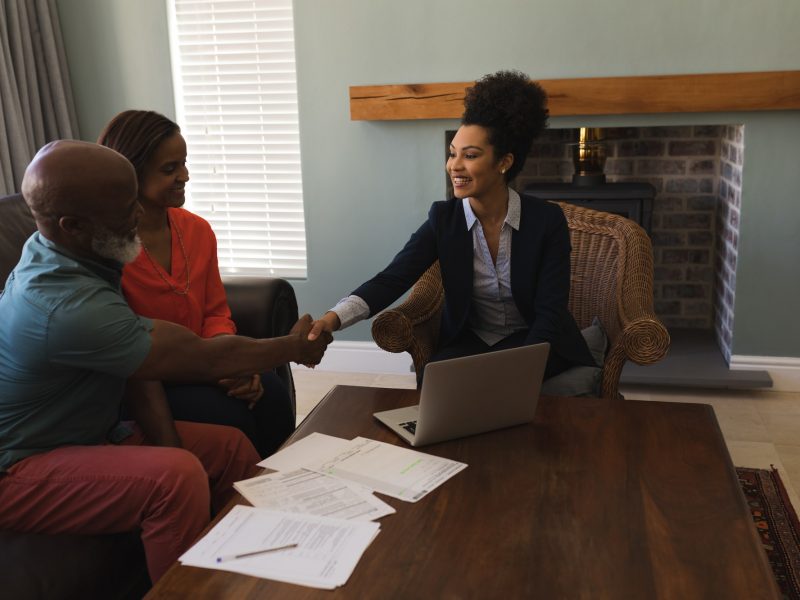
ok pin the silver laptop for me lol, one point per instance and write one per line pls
(474, 394)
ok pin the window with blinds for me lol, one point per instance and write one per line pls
(236, 100)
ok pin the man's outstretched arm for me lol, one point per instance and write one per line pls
(177, 354)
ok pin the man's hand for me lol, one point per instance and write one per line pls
(248, 389)
(329, 322)
(310, 350)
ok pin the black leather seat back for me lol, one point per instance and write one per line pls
(16, 226)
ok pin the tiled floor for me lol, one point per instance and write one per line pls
(761, 428)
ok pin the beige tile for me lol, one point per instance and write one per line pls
(391, 380)
(779, 403)
(312, 385)
(755, 455)
(741, 422)
(783, 428)
(337, 378)
(790, 475)
(310, 388)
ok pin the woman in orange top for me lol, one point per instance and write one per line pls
(176, 278)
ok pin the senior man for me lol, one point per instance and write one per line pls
(71, 350)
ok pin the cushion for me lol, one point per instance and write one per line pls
(597, 340)
(580, 380)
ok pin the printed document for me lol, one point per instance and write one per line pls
(397, 472)
(327, 549)
(309, 449)
(312, 493)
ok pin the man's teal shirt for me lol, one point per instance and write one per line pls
(68, 342)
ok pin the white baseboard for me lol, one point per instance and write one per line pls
(362, 357)
(784, 370)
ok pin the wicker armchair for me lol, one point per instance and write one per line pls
(612, 278)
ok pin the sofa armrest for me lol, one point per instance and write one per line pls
(264, 307)
(413, 326)
(261, 307)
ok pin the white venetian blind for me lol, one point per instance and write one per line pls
(236, 99)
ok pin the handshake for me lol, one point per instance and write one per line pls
(312, 337)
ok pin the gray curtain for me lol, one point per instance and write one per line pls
(36, 103)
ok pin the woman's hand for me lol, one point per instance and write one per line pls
(328, 323)
(248, 389)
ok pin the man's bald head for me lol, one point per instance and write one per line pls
(84, 197)
(69, 177)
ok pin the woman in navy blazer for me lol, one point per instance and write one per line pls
(505, 258)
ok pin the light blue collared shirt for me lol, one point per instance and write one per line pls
(494, 313)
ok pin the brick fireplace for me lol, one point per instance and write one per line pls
(697, 173)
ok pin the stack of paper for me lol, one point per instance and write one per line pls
(312, 493)
(313, 519)
(398, 472)
(297, 455)
(323, 552)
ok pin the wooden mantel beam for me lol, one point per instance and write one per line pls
(716, 92)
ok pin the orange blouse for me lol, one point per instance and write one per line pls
(154, 293)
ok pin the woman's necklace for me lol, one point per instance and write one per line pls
(159, 270)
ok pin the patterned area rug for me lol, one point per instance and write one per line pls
(777, 525)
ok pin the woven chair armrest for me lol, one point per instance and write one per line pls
(643, 336)
(413, 325)
(394, 331)
(644, 341)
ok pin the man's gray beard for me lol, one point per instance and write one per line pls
(114, 247)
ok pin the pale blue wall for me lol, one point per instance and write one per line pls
(118, 54)
(368, 185)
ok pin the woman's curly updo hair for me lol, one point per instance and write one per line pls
(514, 111)
(136, 134)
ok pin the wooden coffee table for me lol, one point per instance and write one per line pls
(595, 499)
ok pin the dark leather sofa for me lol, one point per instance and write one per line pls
(37, 566)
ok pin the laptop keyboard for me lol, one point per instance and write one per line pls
(410, 427)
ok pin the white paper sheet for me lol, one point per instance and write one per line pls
(312, 493)
(311, 448)
(398, 472)
(327, 552)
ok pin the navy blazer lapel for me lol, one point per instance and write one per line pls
(455, 257)
(520, 262)
(463, 259)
